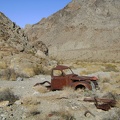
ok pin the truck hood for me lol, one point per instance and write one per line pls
(76, 77)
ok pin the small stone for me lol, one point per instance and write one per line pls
(4, 103)
(18, 102)
(19, 79)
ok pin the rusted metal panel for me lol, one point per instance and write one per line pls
(102, 103)
(60, 67)
(58, 82)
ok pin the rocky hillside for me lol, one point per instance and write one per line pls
(18, 56)
(86, 30)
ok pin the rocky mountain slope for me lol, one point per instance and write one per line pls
(86, 30)
(18, 56)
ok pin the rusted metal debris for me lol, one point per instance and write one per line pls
(86, 112)
(42, 83)
(102, 103)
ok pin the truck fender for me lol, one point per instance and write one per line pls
(81, 85)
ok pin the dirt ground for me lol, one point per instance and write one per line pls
(40, 104)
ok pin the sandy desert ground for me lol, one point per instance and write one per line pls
(37, 103)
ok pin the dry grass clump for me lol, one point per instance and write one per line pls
(8, 74)
(71, 93)
(88, 64)
(115, 78)
(116, 90)
(6, 94)
(105, 80)
(118, 103)
(113, 115)
(88, 93)
(62, 115)
(110, 67)
(85, 72)
(40, 89)
(111, 83)
(68, 89)
(116, 97)
(3, 64)
(106, 87)
(91, 69)
(32, 111)
(30, 101)
(88, 71)
(68, 92)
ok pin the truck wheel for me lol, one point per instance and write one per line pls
(80, 87)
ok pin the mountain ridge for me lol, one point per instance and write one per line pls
(81, 26)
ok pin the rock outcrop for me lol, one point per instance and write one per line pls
(18, 56)
(86, 30)
(11, 35)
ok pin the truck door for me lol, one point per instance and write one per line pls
(58, 80)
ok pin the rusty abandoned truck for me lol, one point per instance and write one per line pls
(62, 76)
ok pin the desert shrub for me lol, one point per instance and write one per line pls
(6, 94)
(3, 65)
(117, 98)
(88, 93)
(68, 89)
(105, 80)
(116, 78)
(106, 87)
(30, 101)
(31, 104)
(32, 111)
(89, 69)
(85, 72)
(118, 103)
(116, 90)
(8, 74)
(64, 115)
(31, 51)
(110, 67)
(68, 92)
(114, 115)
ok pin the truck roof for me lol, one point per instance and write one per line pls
(60, 67)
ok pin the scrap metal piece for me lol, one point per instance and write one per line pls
(86, 112)
(103, 106)
(42, 83)
(102, 103)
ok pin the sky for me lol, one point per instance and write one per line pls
(24, 12)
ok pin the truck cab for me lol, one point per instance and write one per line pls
(62, 76)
